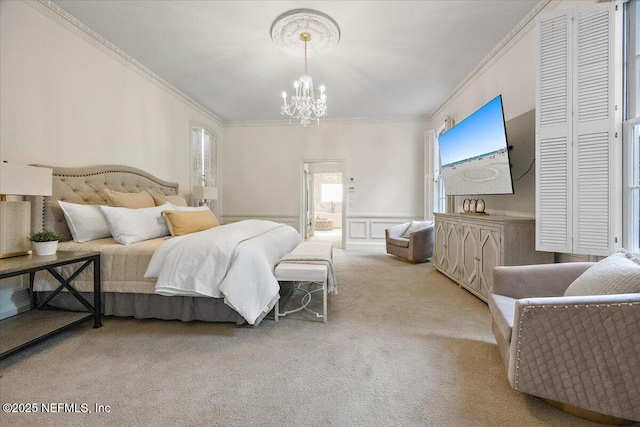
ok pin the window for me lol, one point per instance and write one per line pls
(442, 200)
(633, 185)
(204, 160)
(632, 130)
(331, 193)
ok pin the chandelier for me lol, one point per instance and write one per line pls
(286, 32)
(304, 105)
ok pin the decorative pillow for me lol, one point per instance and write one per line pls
(161, 199)
(617, 274)
(135, 225)
(185, 222)
(192, 209)
(129, 200)
(86, 222)
(416, 226)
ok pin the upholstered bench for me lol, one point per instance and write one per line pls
(299, 267)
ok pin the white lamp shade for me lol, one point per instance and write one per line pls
(331, 193)
(201, 192)
(22, 180)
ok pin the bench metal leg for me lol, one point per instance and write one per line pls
(325, 285)
(306, 299)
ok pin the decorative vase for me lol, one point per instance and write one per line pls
(45, 248)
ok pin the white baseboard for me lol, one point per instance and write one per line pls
(366, 246)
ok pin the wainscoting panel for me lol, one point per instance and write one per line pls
(364, 231)
(367, 231)
(377, 228)
(357, 229)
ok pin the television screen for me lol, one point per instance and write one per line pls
(474, 154)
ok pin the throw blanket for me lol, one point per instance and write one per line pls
(233, 261)
(332, 284)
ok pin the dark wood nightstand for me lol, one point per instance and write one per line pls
(28, 328)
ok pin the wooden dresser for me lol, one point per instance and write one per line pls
(468, 246)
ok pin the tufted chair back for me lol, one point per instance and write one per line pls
(86, 186)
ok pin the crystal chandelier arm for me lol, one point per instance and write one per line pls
(304, 105)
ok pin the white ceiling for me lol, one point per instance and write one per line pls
(394, 58)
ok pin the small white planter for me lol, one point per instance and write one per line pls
(45, 248)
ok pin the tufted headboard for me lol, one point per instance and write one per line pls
(86, 185)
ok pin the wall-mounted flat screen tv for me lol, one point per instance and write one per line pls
(474, 154)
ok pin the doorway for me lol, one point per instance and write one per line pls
(323, 207)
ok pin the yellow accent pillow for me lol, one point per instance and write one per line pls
(129, 200)
(185, 222)
(160, 199)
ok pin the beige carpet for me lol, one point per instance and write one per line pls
(334, 236)
(404, 346)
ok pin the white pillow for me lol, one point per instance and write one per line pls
(86, 222)
(135, 225)
(416, 226)
(189, 208)
(616, 274)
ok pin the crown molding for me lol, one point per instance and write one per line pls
(285, 122)
(497, 49)
(69, 21)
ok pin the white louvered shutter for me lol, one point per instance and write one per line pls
(594, 130)
(578, 151)
(553, 124)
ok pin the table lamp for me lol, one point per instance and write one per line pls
(15, 216)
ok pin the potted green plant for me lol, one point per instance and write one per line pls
(45, 242)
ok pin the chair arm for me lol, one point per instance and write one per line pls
(539, 280)
(583, 350)
(397, 230)
(421, 244)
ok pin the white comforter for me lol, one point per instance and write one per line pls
(234, 261)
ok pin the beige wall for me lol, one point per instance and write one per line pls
(262, 172)
(262, 165)
(69, 101)
(512, 73)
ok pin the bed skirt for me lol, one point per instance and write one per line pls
(152, 306)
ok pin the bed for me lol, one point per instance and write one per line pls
(127, 292)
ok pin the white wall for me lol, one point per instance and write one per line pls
(512, 73)
(261, 168)
(69, 101)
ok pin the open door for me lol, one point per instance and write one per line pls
(323, 212)
(308, 202)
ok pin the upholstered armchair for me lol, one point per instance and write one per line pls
(579, 353)
(412, 241)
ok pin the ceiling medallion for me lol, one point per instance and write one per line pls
(286, 30)
(307, 33)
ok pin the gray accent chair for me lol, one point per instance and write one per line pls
(579, 353)
(417, 248)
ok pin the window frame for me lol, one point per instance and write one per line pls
(444, 203)
(631, 131)
(198, 174)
